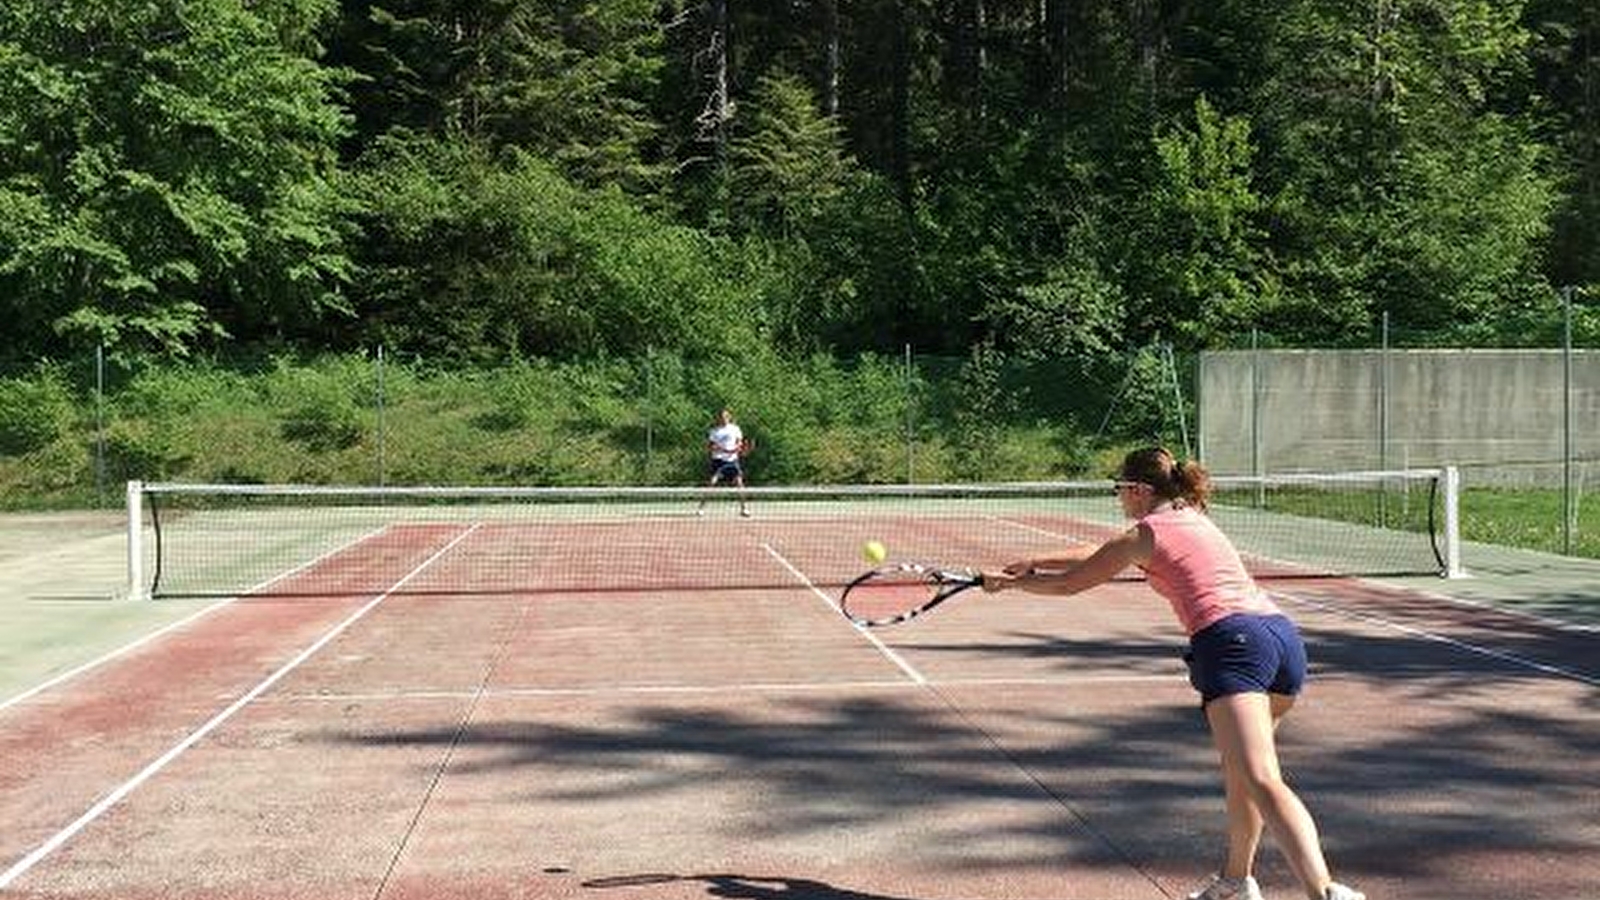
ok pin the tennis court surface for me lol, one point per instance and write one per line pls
(463, 703)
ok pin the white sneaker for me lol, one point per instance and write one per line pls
(1337, 891)
(1224, 888)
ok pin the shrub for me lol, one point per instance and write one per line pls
(318, 410)
(34, 412)
(140, 449)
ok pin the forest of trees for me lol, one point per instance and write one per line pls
(486, 180)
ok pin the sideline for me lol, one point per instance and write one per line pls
(172, 626)
(105, 803)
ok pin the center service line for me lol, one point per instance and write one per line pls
(910, 670)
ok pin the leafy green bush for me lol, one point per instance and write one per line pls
(58, 475)
(143, 450)
(317, 406)
(515, 397)
(34, 412)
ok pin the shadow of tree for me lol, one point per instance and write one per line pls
(1066, 654)
(1425, 765)
(1437, 643)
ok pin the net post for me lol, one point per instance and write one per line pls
(135, 495)
(1452, 524)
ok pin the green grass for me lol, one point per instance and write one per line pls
(1397, 508)
(1530, 518)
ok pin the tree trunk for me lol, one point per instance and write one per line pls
(718, 108)
(830, 77)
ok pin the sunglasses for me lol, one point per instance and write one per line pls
(1118, 487)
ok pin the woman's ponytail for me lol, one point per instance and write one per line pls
(1186, 481)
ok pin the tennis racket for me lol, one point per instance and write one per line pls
(889, 595)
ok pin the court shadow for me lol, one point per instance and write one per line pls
(745, 887)
(1407, 749)
(1064, 654)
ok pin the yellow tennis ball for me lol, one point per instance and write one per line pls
(874, 552)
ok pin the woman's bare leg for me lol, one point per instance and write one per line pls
(1242, 726)
(1244, 819)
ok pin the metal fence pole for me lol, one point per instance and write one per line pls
(649, 420)
(1383, 397)
(911, 439)
(100, 425)
(1383, 419)
(1177, 398)
(1569, 506)
(1257, 466)
(382, 467)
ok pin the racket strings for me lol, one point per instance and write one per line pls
(889, 596)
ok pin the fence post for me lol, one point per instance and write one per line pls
(100, 425)
(1257, 464)
(1177, 399)
(649, 419)
(911, 435)
(1383, 419)
(382, 463)
(1569, 506)
(1383, 397)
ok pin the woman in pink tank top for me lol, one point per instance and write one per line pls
(1245, 657)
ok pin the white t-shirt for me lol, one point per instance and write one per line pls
(725, 441)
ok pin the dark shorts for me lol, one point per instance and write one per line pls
(1247, 654)
(726, 469)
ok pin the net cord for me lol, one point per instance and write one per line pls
(1000, 489)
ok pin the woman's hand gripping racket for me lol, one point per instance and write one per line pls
(899, 592)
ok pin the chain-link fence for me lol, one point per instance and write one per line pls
(1523, 425)
(71, 433)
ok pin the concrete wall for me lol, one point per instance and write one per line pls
(1497, 412)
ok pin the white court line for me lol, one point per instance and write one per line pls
(140, 642)
(112, 799)
(1490, 606)
(1045, 531)
(108, 657)
(910, 670)
(735, 688)
(1467, 646)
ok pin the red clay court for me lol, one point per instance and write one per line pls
(390, 719)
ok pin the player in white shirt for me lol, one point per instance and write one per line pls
(727, 446)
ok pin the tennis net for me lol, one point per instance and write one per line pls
(229, 540)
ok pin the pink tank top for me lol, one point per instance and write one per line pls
(1197, 569)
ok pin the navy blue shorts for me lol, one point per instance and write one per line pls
(1247, 654)
(725, 469)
